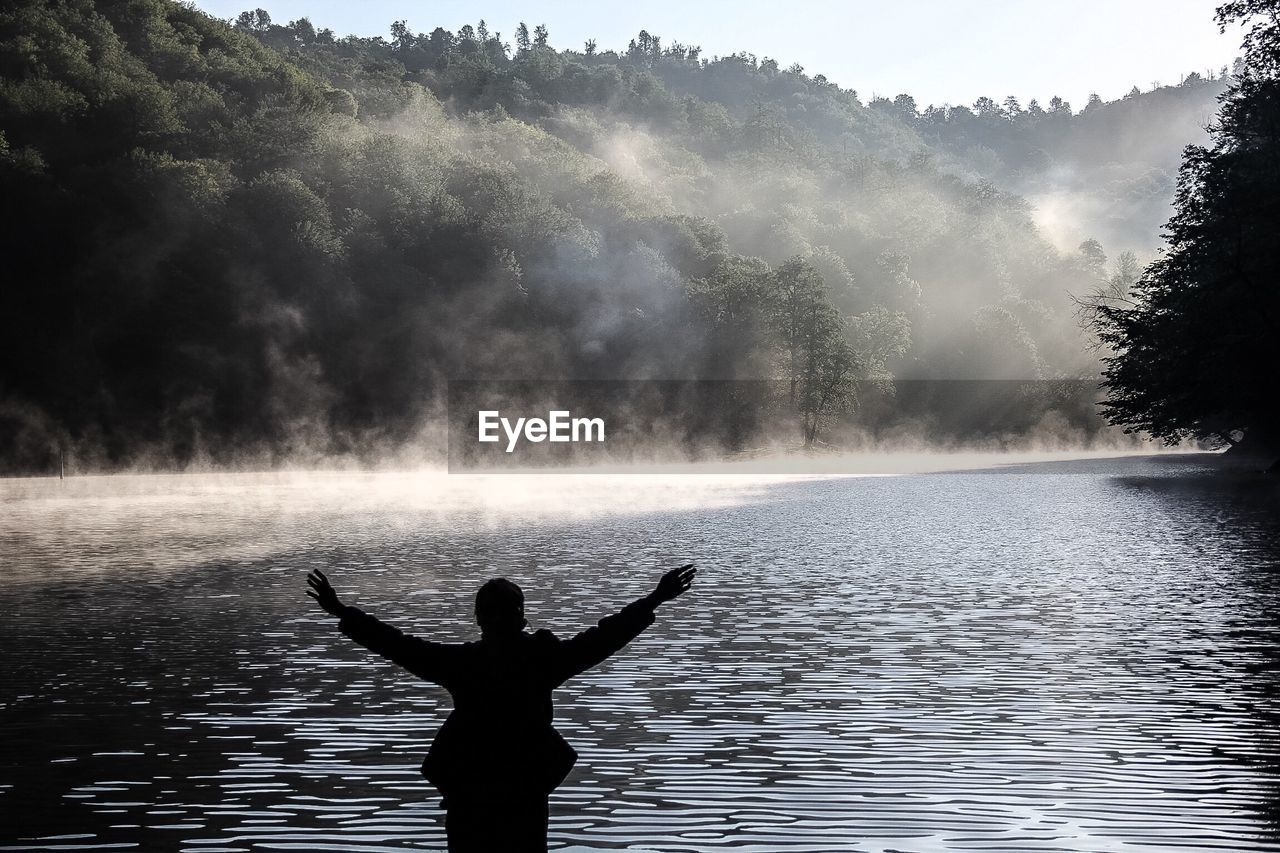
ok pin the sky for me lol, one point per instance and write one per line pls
(939, 51)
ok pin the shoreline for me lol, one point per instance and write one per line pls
(790, 463)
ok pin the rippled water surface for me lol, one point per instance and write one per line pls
(1075, 655)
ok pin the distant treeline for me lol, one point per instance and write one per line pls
(229, 239)
(586, 422)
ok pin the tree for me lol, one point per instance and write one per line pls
(257, 21)
(984, 106)
(645, 48)
(1092, 256)
(878, 336)
(303, 30)
(523, 43)
(1194, 343)
(402, 38)
(734, 302)
(1126, 275)
(828, 386)
(816, 361)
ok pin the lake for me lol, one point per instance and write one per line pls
(1053, 655)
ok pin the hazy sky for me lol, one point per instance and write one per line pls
(940, 51)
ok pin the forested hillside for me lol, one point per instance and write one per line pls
(247, 238)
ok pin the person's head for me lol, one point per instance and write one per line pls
(500, 607)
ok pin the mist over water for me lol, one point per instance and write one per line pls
(296, 239)
(881, 369)
(1046, 655)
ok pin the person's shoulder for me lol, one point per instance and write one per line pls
(544, 636)
(466, 648)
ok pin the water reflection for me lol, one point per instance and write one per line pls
(1239, 514)
(1072, 656)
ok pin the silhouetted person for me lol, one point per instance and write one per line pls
(497, 757)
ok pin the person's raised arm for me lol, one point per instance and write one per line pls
(423, 658)
(674, 583)
(594, 645)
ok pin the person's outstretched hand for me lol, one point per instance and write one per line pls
(673, 583)
(323, 592)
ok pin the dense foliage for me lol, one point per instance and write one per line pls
(252, 238)
(1195, 338)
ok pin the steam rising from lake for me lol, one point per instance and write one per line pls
(97, 524)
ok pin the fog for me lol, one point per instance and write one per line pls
(95, 525)
(287, 259)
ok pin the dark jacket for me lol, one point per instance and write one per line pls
(499, 739)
